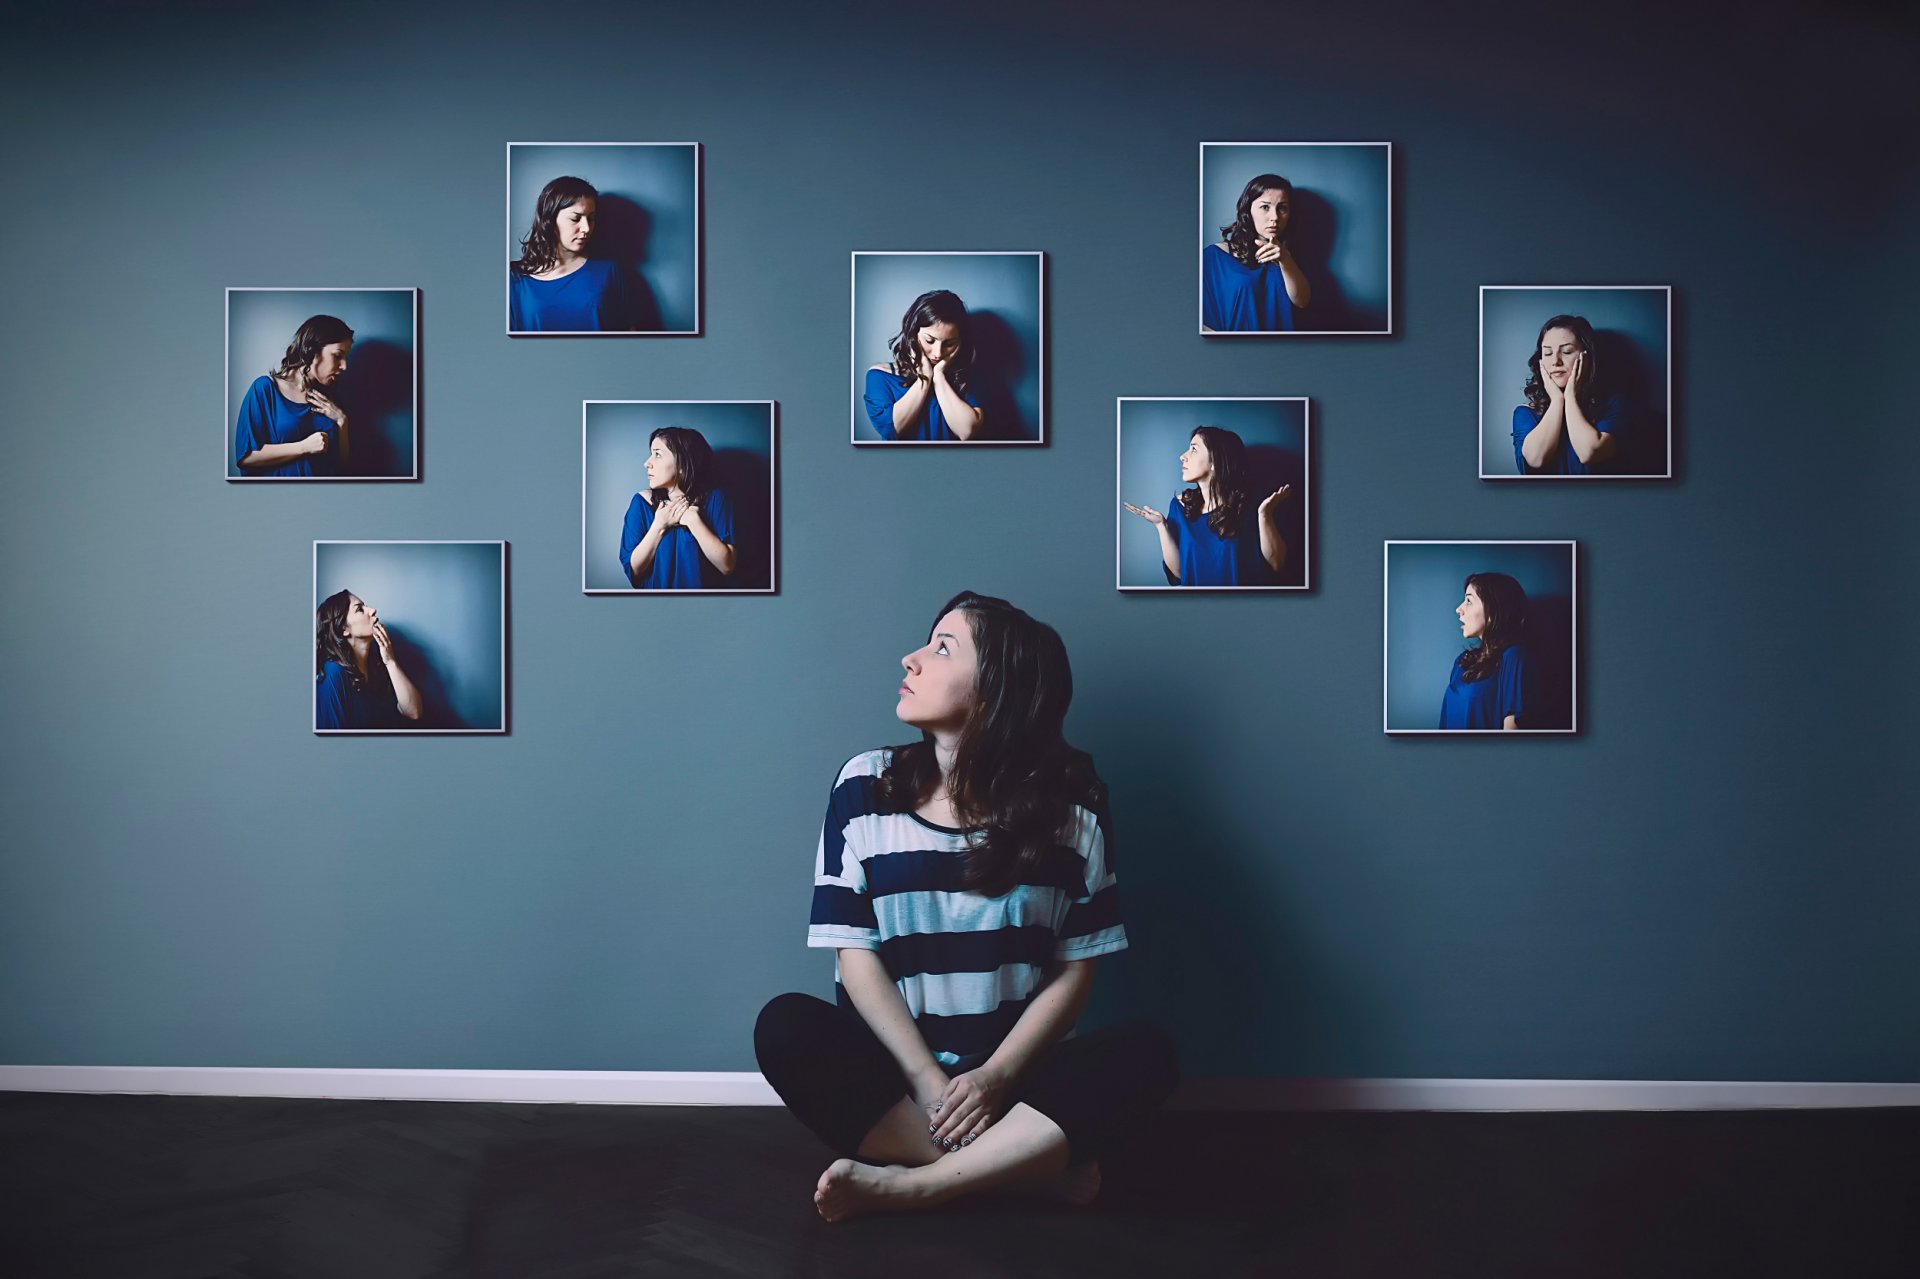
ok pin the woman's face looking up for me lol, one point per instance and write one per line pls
(1196, 464)
(937, 692)
(1269, 211)
(939, 341)
(574, 226)
(360, 619)
(1558, 347)
(1473, 616)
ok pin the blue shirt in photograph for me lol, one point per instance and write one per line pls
(1486, 703)
(1243, 299)
(1207, 559)
(268, 417)
(1564, 461)
(678, 563)
(884, 389)
(338, 702)
(592, 299)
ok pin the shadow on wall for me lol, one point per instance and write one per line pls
(1550, 644)
(377, 394)
(1271, 467)
(1312, 233)
(746, 477)
(418, 662)
(999, 363)
(624, 230)
(1637, 377)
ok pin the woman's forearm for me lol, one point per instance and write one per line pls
(275, 454)
(718, 553)
(1299, 292)
(1051, 1015)
(1587, 441)
(1169, 550)
(881, 1006)
(908, 408)
(640, 559)
(1541, 441)
(1273, 547)
(962, 418)
(406, 697)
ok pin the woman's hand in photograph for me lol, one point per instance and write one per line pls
(1274, 499)
(326, 407)
(1146, 513)
(1270, 251)
(972, 1102)
(670, 512)
(384, 640)
(315, 443)
(1577, 379)
(691, 516)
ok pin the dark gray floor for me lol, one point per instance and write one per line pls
(182, 1186)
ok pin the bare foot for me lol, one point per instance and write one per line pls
(849, 1188)
(1077, 1186)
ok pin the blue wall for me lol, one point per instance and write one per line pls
(1339, 229)
(622, 881)
(648, 210)
(1425, 583)
(1003, 296)
(441, 602)
(741, 436)
(1153, 434)
(377, 390)
(1630, 329)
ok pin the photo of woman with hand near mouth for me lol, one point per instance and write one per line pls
(353, 689)
(924, 390)
(678, 534)
(554, 287)
(1251, 282)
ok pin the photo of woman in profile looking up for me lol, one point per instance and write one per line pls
(351, 690)
(554, 287)
(1488, 686)
(1567, 426)
(1209, 536)
(1250, 282)
(678, 534)
(965, 881)
(286, 421)
(924, 392)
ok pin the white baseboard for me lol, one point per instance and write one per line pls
(747, 1088)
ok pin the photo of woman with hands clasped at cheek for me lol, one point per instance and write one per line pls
(924, 391)
(678, 533)
(1251, 283)
(554, 287)
(965, 882)
(1567, 426)
(1214, 534)
(287, 423)
(358, 683)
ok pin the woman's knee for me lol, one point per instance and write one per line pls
(783, 1027)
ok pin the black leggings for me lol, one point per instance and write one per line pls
(838, 1079)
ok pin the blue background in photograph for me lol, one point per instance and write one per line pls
(623, 881)
(1630, 328)
(441, 603)
(1002, 293)
(377, 390)
(648, 210)
(1426, 583)
(1153, 434)
(741, 436)
(1338, 230)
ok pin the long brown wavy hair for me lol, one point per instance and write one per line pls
(1231, 481)
(314, 335)
(1015, 778)
(541, 247)
(1536, 388)
(1241, 241)
(1505, 602)
(330, 644)
(939, 306)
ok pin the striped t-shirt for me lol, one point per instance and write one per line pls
(968, 965)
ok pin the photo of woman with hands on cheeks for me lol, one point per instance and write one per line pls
(964, 882)
(678, 534)
(923, 392)
(1567, 425)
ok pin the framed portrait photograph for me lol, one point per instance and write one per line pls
(1213, 493)
(1296, 238)
(948, 348)
(409, 637)
(1576, 381)
(322, 384)
(1480, 637)
(603, 238)
(678, 496)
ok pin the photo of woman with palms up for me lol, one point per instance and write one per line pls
(1217, 533)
